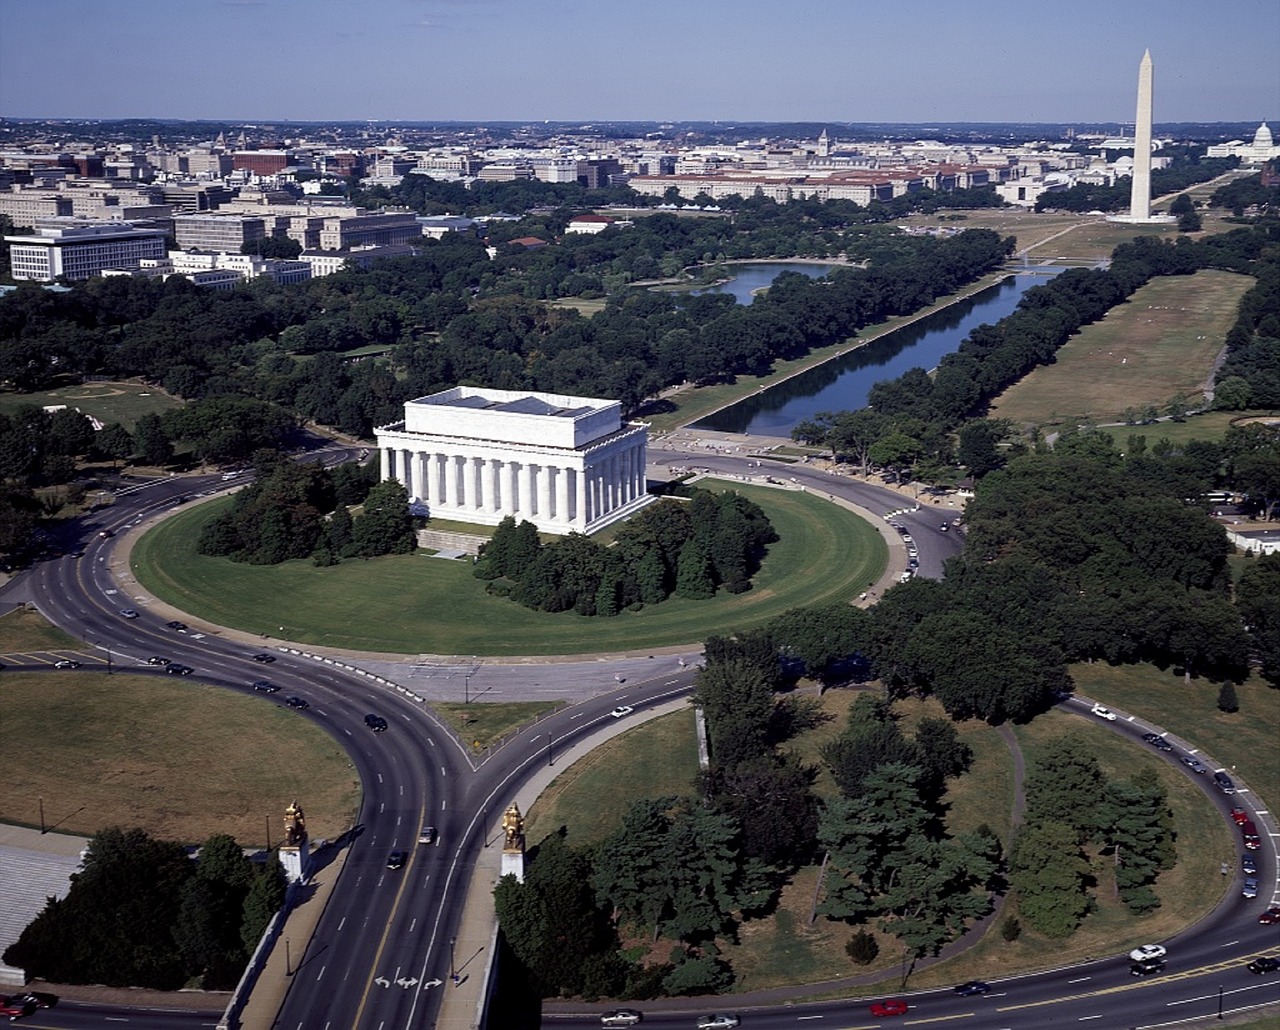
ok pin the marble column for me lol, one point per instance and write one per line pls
(562, 494)
(528, 489)
(386, 462)
(544, 491)
(580, 509)
(493, 497)
(511, 496)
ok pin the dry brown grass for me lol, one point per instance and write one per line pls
(182, 760)
(1158, 346)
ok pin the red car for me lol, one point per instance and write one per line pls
(17, 1007)
(889, 1007)
(1270, 916)
(1239, 815)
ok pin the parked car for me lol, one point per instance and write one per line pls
(620, 1017)
(622, 710)
(1147, 968)
(1147, 952)
(1263, 964)
(266, 686)
(397, 859)
(375, 722)
(889, 1007)
(1103, 713)
(968, 990)
(265, 659)
(297, 702)
(66, 663)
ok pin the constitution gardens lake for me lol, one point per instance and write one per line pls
(842, 384)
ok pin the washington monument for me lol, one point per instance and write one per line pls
(1140, 200)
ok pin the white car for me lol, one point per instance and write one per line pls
(1147, 952)
(1104, 713)
(622, 710)
(718, 1022)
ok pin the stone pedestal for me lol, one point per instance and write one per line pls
(295, 858)
(513, 864)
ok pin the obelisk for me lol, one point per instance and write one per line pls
(1140, 200)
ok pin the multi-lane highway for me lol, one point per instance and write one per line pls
(385, 926)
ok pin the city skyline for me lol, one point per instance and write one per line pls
(460, 60)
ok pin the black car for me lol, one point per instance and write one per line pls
(266, 686)
(40, 999)
(1147, 968)
(1264, 964)
(178, 669)
(973, 987)
(265, 659)
(375, 722)
(174, 624)
(297, 702)
(156, 659)
(1248, 865)
(1158, 742)
(397, 859)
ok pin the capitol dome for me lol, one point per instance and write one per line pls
(1262, 138)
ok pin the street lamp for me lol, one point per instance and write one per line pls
(1219, 1001)
(453, 969)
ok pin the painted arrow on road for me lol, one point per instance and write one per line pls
(382, 981)
(431, 983)
(407, 983)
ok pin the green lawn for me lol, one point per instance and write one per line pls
(482, 724)
(25, 629)
(108, 402)
(415, 604)
(1159, 345)
(182, 760)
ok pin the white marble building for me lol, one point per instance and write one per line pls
(476, 455)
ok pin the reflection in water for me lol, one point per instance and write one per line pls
(748, 278)
(843, 384)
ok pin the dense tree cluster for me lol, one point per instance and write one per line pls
(141, 913)
(1249, 377)
(1074, 809)
(714, 541)
(1238, 195)
(300, 510)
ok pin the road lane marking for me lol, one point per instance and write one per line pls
(938, 1019)
(1079, 979)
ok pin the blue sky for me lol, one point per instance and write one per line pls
(582, 60)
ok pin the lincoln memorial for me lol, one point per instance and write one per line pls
(475, 455)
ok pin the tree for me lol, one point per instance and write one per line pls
(1065, 786)
(693, 572)
(264, 899)
(862, 948)
(385, 527)
(1227, 700)
(1139, 827)
(152, 441)
(1049, 873)
(114, 442)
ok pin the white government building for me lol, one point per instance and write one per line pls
(475, 455)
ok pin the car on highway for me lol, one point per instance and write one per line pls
(128, 613)
(265, 659)
(266, 686)
(156, 659)
(718, 1021)
(1248, 865)
(1103, 713)
(973, 987)
(174, 624)
(105, 534)
(1264, 964)
(178, 669)
(375, 722)
(1250, 887)
(428, 835)
(621, 711)
(397, 859)
(297, 702)
(41, 999)
(943, 528)
(1158, 742)
(16, 1007)
(1194, 764)
(1249, 835)
(1147, 967)
(1147, 952)
(66, 663)
(1239, 816)
(1224, 783)
(620, 1017)
(889, 1007)
(1270, 917)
